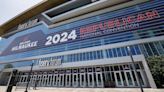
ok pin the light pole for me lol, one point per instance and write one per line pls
(29, 76)
(134, 68)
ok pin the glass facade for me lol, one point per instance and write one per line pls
(148, 29)
(145, 36)
(148, 49)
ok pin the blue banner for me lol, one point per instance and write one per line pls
(39, 39)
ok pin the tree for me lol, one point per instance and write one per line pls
(8, 66)
(4, 76)
(156, 64)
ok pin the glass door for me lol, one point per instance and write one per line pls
(44, 80)
(75, 80)
(55, 80)
(118, 79)
(82, 80)
(40, 80)
(49, 80)
(129, 78)
(91, 82)
(68, 80)
(31, 80)
(99, 79)
(142, 78)
(61, 80)
(34, 79)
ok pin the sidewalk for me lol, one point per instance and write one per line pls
(46, 89)
(91, 90)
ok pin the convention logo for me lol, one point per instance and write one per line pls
(25, 45)
(117, 24)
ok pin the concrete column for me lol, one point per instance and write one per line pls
(149, 75)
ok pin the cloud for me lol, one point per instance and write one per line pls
(11, 8)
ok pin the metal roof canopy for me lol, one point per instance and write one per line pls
(43, 6)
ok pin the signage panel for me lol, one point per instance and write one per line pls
(46, 63)
(38, 39)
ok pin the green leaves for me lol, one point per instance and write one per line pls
(8, 66)
(156, 64)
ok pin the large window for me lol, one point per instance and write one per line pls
(154, 48)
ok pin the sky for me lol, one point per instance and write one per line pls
(11, 8)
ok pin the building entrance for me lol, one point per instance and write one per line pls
(121, 75)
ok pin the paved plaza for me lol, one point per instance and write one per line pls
(91, 90)
(43, 89)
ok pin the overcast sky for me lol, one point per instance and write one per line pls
(11, 8)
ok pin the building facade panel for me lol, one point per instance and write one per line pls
(91, 52)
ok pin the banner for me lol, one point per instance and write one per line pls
(38, 39)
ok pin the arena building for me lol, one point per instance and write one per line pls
(84, 43)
